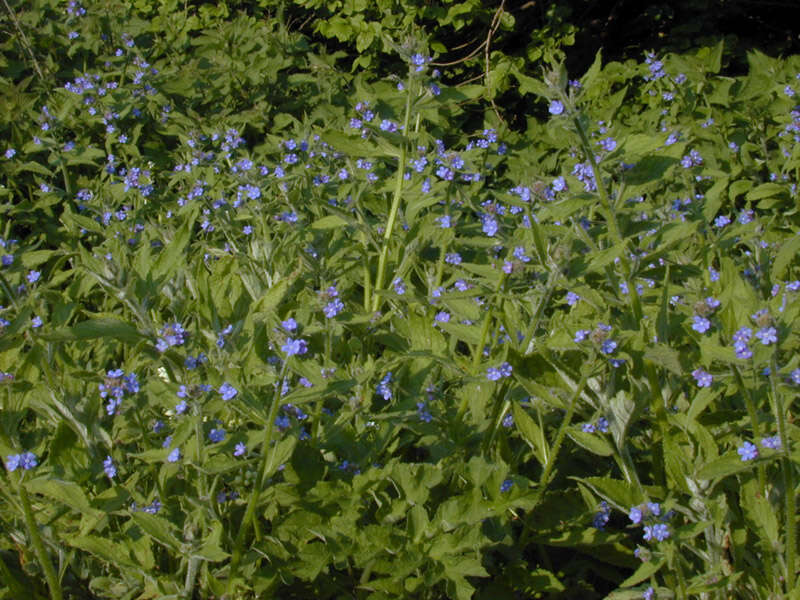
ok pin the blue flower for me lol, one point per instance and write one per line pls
(608, 346)
(33, 276)
(572, 298)
(506, 485)
(333, 308)
(442, 317)
(701, 324)
(747, 451)
(216, 435)
(773, 442)
(635, 515)
(556, 107)
(240, 449)
(581, 335)
(26, 461)
(767, 335)
(174, 455)
(703, 378)
(293, 347)
(495, 373)
(601, 518)
(490, 226)
(227, 391)
(659, 532)
(109, 468)
(383, 387)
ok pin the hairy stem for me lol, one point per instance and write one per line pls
(398, 192)
(38, 546)
(266, 461)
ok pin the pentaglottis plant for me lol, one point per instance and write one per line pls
(274, 330)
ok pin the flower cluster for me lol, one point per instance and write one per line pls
(383, 388)
(602, 516)
(114, 387)
(496, 373)
(26, 461)
(172, 334)
(601, 425)
(650, 513)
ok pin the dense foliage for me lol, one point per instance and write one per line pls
(274, 328)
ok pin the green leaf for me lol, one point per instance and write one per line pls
(788, 253)
(170, 257)
(766, 190)
(159, 529)
(723, 467)
(329, 222)
(211, 549)
(700, 402)
(645, 570)
(102, 327)
(531, 432)
(662, 355)
(593, 442)
(66, 492)
(531, 85)
(648, 169)
(619, 493)
(114, 554)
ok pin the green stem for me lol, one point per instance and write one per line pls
(598, 178)
(38, 545)
(753, 414)
(562, 431)
(553, 455)
(788, 479)
(191, 574)
(476, 356)
(398, 192)
(266, 462)
(198, 431)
